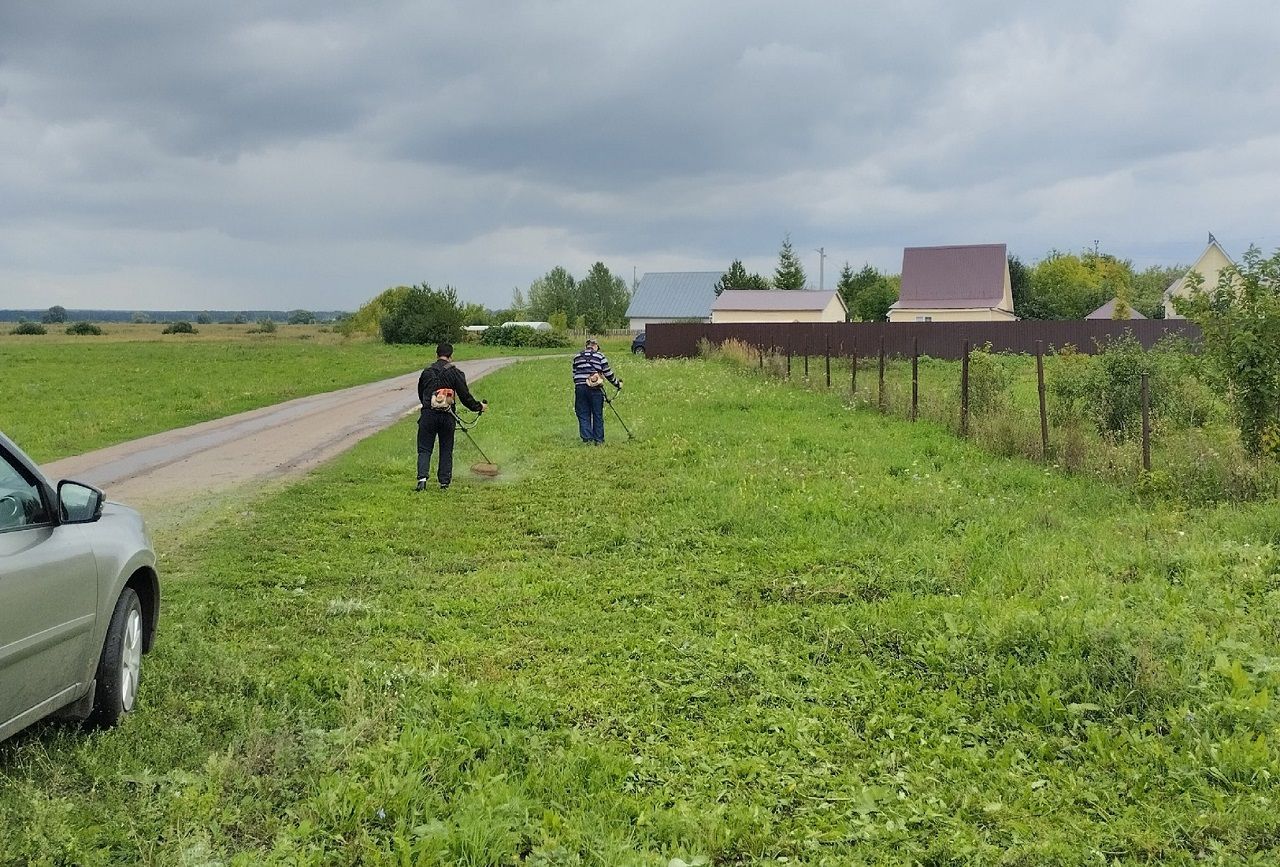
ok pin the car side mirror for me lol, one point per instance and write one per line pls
(79, 503)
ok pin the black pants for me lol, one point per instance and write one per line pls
(432, 424)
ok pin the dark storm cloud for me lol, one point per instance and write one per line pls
(320, 150)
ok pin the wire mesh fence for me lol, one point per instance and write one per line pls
(1153, 435)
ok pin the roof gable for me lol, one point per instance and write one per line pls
(974, 275)
(674, 295)
(1108, 311)
(1208, 266)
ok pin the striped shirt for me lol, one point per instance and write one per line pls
(590, 361)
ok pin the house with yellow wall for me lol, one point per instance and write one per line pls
(778, 305)
(968, 283)
(1209, 266)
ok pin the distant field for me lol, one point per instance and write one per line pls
(64, 395)
(773, 629)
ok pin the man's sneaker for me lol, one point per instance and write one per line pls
(422, 485)
(444, 487)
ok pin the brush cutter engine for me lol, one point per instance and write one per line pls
(443, 399)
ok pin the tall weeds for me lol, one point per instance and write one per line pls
(1093, 405)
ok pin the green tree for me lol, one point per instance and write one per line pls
(54, 315)
(738, 278)
(1240, 318)
(423, 315)
(602, 299)
(301, 317)
(476, 314)
(735, 278)
(1149, 286)
(553, 293)
(1020, 282)
(1070, 285)
(868, 294)
(367, 320)
(790, 273)
(519, 307)
(204, 319)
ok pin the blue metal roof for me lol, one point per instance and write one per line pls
(674, 295)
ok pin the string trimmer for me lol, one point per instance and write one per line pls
(488, 467)
(630, 436)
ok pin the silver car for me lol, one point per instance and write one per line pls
(79, 599)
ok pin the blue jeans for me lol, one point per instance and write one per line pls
(588, 405)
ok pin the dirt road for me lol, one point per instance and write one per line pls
(164, 474)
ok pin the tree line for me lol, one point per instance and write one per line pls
(425, 314)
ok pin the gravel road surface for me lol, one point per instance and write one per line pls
(170, 470)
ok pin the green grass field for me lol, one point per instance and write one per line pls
(65, 395)
(771, 629)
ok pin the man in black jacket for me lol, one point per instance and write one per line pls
(439, 386)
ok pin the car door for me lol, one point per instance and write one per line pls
(48, 596)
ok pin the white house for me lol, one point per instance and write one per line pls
(1209, 266)
(778, 305)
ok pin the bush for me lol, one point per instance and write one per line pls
(179, 327)
(988, 381)
(264, 326)
(523, 335)
(29, 328)
(1069, 385)
(84, 328)
(422, 315)
(204, 319)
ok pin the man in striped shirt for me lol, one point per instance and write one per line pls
(590, 370)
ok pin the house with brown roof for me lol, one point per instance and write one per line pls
(1209, 266)
(967, 283)
(778, 305)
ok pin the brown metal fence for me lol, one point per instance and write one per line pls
(935, 339)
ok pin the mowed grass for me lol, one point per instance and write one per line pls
(772, 627)
(65, 395)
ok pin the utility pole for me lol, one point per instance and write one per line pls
(822, 260)
(634, 284)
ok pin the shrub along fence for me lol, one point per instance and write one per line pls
(1155, 418)
(944, 340)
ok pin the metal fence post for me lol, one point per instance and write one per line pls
(915, 378)
(1146, 425)
(964, 392)
(1044, 418)
(880, 396)
(828, 362)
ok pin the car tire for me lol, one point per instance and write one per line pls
(120, 663)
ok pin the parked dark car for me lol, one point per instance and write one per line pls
(79, 599)
(637, 343)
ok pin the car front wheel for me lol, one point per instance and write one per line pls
(120, 664)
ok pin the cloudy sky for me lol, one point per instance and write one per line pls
(158, 154)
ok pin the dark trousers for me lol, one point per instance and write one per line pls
(433, 424)
(588, 405)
